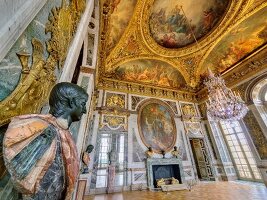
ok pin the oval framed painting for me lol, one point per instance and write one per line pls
(156, 125)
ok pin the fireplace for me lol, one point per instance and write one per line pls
(158, 168)
(165, 172)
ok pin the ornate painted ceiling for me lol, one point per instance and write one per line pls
(166, 46)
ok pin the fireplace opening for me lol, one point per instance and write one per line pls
(166, 172)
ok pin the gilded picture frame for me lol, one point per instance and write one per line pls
(156, 125)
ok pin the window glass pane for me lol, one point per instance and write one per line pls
(101, 181)
(242, 157)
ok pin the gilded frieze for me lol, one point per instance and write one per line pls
(139, 89)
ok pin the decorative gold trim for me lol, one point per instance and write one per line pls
(36, 81)
(162, 103)
(235, 23)
(32, 91)
(151, 91)
(234, 7)
(115, 100)
(137, 43)
(245, 70)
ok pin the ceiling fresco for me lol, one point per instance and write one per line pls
(121, 12)
(153, 72)
(172, 23)
(149, 42)
(243, 39)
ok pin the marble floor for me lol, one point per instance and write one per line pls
(203, 191)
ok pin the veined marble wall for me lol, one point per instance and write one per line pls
(10, 67)
(117, 105)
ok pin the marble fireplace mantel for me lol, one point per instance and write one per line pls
(150, 162)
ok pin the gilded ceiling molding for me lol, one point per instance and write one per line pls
(145, 90)
(252, 5)
(243, 71)
(235, 8)
(132, 46)
(104, 27)
(248, 68)
(37, 80)
(137, 43)
(235, 23)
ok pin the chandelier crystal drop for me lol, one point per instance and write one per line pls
(223, 104)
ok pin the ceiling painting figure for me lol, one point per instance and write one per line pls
(241, 41)
(146, 71)
(121, 13)
(172, 22)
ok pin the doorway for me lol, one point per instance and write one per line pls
(202, 162)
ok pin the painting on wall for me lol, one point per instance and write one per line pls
(242, 40)
(153, 72)
(156, 126)
(121, 13)
(172, 22)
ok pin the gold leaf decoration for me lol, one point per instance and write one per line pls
(36, 80)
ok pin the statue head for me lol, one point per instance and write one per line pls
(68, 101)
(89, 148)
(149, 148)
(175, 148)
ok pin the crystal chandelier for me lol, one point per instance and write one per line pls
(223, 104)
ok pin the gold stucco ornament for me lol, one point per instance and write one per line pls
(37, 79)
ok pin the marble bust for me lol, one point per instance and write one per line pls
(39, 152)
(150, 153)
(86, 158)
(175, 152)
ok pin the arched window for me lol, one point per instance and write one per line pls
(259, 97)
(240, 151)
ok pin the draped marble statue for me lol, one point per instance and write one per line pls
(39, 152)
